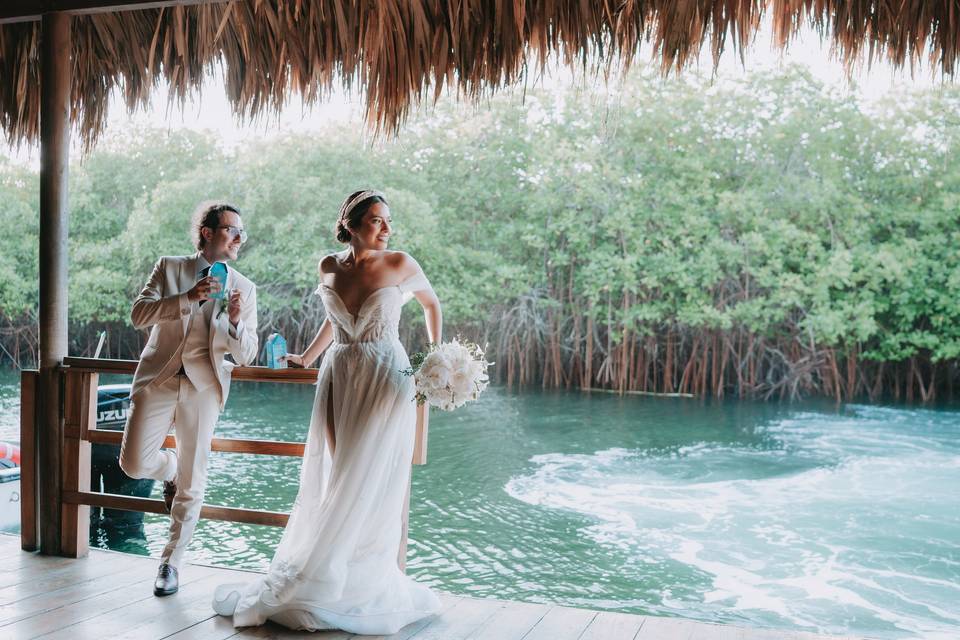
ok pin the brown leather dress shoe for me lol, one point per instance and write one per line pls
(167, 582)
(169, 493)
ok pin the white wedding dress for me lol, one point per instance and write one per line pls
(336, 564)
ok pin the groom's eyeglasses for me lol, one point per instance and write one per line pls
(234, 232)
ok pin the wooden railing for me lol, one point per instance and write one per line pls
(80, 379)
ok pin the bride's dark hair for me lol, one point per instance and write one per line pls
(355, 214)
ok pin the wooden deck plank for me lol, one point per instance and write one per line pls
(10, 551)
(213, 628)
(14, 570)
(458, 623)
(171, 623)
(28, 580)
(610, 625)
(146, 612)
(512, 622)
(779, 634)
(194, 608)
(655, 628)
(770, 634)
(79, 612)
(707, 631)
(561, 623)
(33, 559)
(271, 631)
(82, 590)
(110, 595)
(411, 630)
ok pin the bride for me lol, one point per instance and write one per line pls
(336, 564)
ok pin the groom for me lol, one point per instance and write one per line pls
(182, 379)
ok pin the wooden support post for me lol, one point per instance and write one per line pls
(420, 439)
(29, 531)
(55, 81)
(80, 415)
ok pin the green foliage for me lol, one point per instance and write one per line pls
(19, 247)
(773, 205)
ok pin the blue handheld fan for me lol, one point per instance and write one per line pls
(274, 350)
(219, 271)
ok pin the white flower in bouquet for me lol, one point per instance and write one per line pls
(449, 374)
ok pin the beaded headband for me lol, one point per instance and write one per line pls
(348, 206)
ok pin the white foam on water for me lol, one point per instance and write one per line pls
(805, 546)
(730, 582)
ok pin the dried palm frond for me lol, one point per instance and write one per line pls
(401, 52)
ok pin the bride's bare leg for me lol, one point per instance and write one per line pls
(331, 432)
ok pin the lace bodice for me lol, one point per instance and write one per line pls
(378, 317)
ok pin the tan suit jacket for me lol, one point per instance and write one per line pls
(163, 307)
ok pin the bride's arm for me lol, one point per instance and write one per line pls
(423, 292)
(322, 340)
(432, 314)
(325, 335)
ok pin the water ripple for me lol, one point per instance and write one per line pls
(832, 517)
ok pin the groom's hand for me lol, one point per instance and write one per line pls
(204, 288)
(233, 307)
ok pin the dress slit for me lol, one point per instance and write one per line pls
(331, 427)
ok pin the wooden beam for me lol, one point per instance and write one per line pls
(150, 505)
(100, 365)
(226, 445)
(55, 82)
(266, 374)
(33, 10)
(245, 374)
(420, 437)
(80, 414)
(29, 529)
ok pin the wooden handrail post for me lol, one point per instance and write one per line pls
(80, 415)
(420, 439)
(29, 529)
(55, 85)
(79, 432)
(419, 457)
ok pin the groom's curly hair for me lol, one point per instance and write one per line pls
(355, 215)
(208, 214)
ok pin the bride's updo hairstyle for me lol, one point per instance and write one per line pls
(352, 211)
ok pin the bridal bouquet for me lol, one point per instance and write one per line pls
(449, 374)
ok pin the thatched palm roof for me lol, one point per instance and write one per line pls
(402, 51)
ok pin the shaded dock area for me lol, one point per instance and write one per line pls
(109, 595)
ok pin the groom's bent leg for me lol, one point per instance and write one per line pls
(196, 417)
(149, 420)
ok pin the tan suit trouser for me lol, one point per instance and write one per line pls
(174, 403)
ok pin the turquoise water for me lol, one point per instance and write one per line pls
(803, 516)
